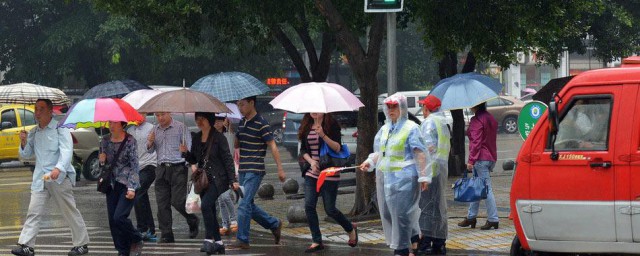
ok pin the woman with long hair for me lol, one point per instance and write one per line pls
(210, 151)
(316, 131)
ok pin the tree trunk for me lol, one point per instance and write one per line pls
(364, 65)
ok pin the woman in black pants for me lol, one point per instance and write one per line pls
(318, 129)
(210, 151)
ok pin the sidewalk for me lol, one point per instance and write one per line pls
(370, 232)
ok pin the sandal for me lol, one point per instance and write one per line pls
(316, 248)
(354, 243)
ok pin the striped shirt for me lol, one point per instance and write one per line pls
(167, 142)
(253, 136)
(314, 145)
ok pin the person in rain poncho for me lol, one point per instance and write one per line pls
(400, 160)
(433, 204)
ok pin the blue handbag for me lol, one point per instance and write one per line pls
(330, 158)
(471, 189)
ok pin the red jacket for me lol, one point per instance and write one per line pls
(482, 133)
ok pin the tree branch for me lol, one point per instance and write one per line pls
(303, 32)
(292, 51)
(344, 37)
(328, 47)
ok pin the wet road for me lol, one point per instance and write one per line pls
(55, 239)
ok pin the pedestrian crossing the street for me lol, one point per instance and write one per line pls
(57, 241)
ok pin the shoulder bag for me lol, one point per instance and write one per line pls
(104, 183)
(330, 158)
(470, 189)
(199, 177)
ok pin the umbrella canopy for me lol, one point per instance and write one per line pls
(553, 86)
(26, 93)
(114, 89)
(137, 98)
(234, 115)
(529, 90)
(184, 101)
(316, 98)
(98, 112)
(230, 86)
(466, 90)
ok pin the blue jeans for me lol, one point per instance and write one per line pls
(248, 210)
(483, 168)
(122, 231)
(329, 192)
(227, 209)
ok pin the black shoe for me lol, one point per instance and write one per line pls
(277, 232)
(79, 250)
(23, 250)
(212, 248)
(193, 228)
(166, 239)
(439, 250)
(468, 222)
(489, 225)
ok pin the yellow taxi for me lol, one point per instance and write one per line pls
(13, 119)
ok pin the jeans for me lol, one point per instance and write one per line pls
(227, 209)
(122, 230)
(142, 207)
(329, 192)
(248, 210)
(209, 198)
(483, 168)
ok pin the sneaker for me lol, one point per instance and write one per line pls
(136, 248)
(23, 250)
(149, 237)
(79, 250)
(277, 232)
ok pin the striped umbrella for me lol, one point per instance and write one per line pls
(230, 86)
(114, 89)
(97, 113)
(26, 93)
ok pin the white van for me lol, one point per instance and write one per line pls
(412, 99)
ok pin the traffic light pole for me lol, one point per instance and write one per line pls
(392, 79)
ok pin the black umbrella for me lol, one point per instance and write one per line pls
(553, 86)
(114, 89)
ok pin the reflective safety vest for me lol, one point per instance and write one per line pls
(393, 148)
(444, 143)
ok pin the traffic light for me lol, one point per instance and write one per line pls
(383, 5)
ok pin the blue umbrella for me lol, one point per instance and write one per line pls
(114, 89)
(230, 86)
(466, 90)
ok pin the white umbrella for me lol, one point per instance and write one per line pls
(316, 98)
(26, 93)
(235, 112)
(137, 98)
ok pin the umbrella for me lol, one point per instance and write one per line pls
(316, 98)
(234, 114)
(553, 86)
(466, 90)
(137, 98)
(97, 113)
(529, 90)
(114, 89)
(230, 86)
(184, 101)
(26, 93)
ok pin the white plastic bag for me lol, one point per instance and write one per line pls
(193, 201)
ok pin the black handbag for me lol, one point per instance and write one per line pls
(104, 183)
(330, 158)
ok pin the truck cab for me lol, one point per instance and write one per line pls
(13, 119)
(576, 186)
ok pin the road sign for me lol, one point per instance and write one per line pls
(529, 116)
(383, 5)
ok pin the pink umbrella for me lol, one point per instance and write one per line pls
(529, 90)
(316, 98)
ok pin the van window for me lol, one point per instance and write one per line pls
(585, 126)
(411, 102)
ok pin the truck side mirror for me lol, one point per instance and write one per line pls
(6, 125)
(553, 125)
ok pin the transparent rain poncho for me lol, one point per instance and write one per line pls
(400, 163)
(433, 204)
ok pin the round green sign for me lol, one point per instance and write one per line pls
(529, 116)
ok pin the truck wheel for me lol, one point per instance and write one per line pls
(516, 248)
(91, 168)
(510, 124)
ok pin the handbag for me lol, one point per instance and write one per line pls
(104, 183)
(330, 158)
(199, 177)
(471, 189)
